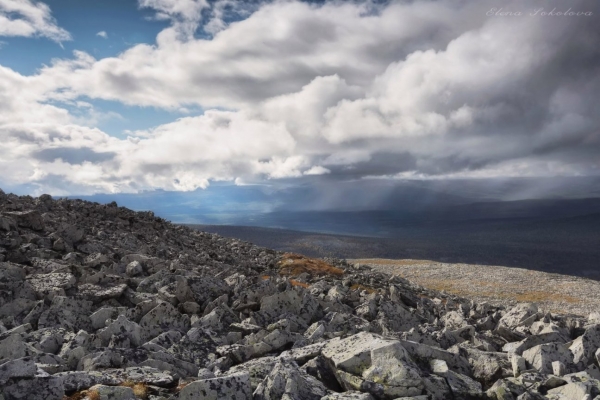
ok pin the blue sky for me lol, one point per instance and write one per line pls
(184, 95)
(125, 23)
(103, 29)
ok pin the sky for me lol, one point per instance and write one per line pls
(126, 96)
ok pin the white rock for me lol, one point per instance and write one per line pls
(121, 326)
(100, 316)
(518, 365)
(558, 368)
(286, 380)
(542, 356)
(162, 318)
(230, 387)
(134, 268)
(585, 346)
(522, 314)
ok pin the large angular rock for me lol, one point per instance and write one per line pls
(534, 340)
(584, 347)
(286, 380)
(74, 381)
(46, 286)
(462, 386)
(523, 314)
(276, 306)
(121, 326)
(230, 387)
(369, 361)
(353, 354)
(68, 313)
(19, 368)
(28, 219)
(420, 351)
(164, 317)
(542, 356)
(98, 293)
(113, 392)
(257, 369)
(576, 390)
(37, 388)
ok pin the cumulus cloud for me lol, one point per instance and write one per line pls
(102, 34)
(184, 14)
(415, 90)
(29, 18)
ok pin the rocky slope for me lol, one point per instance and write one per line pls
(100, 302)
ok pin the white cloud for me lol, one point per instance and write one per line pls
(421, 89)
(276, 51)
(317, 170)
(102, 34)
(184, 14)
(29, 18)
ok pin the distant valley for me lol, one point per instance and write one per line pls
(549, 235)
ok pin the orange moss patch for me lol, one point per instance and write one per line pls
(93, 395)
(296, 264)
(77, 396)
(265, 277)
(387, 261)
(358, 286)
(540, 296)
(140, 389)
(294, 282)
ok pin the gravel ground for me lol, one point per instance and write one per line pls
(498, 285)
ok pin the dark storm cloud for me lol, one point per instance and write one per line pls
(379, 164)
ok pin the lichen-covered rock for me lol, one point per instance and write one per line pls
(113, 392)
(161, 318)
(286, 380)
(19, 368)
(67, 313)
(461, 386)
(257, 369)
(584, 347)
(121, 326)
(230, 387)
(31, 219)
(46, 286)
(37, 388)
(542, 356)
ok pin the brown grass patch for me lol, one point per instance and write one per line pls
(541, 296)
(77, 396)
(296, 264)
(93, 395)
(486, 289)
(358, 286)
(140, 389)
(294, 282)
(387, 261)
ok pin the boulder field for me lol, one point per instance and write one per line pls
(100, 302)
